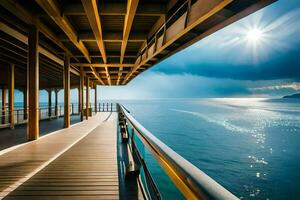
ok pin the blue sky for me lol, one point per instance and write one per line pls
(229, 63)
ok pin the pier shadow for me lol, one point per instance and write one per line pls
(11, 137)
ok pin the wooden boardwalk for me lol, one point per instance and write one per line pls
(75, 163)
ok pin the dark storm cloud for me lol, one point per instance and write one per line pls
(287, 67)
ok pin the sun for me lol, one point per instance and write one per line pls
(254, 35)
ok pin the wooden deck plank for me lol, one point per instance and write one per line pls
(87, 170)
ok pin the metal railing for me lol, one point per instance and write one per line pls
(21, 114)
(191, 181)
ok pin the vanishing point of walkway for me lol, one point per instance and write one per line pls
(75, 163)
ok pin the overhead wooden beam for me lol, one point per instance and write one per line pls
(24, 39)
(14, 7)
(109, 8)
(102, 65)
(52, 8)
(110, 55)
(108, 36)
(130, 13)
(33, 84)
(91, 10)
(201, 11)
(129, 17)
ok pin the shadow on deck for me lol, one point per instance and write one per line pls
(11, 137)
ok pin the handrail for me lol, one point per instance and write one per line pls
(192, 182)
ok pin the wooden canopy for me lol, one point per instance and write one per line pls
(111, 40)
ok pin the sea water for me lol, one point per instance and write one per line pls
(249, 146)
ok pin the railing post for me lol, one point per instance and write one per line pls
(111, 107)
(3, 104)
(17, 116)
(72, 109)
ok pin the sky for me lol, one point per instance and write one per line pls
(257, 56)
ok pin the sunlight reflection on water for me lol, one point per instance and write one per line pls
(250, 146)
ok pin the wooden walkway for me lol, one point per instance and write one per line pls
(75, 163)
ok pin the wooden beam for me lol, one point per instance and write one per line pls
(81, 100)
(67, 92)
(203, 10)
(3, 104)
(25, 103)
(87, 96)
(115, 8)
(56, 102)
(11, 96)
(49, 102)
(95, 103)
(52, 8)
(91, 10)
(108, 36)
(24, 39)
(129, 17)
(102, 65)
(33, 83)
(130, 13)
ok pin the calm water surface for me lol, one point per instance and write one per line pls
(250, 146)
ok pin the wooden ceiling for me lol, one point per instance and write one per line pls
(113, 40)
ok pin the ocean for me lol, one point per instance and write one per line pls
(250, 146)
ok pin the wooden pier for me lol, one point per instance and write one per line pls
(80, 161)
(55, 45)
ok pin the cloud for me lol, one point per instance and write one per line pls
(160, 85)
(290, 86)
(227, 53)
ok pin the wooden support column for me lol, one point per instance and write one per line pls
(49, 102)
(33, 83)
(3, 104)
(67, 92)
(95, 98)
(56, 103)
(25, 103)
(87, 96)
(12, 96)
(81, 93)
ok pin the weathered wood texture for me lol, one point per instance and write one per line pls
(18, 165)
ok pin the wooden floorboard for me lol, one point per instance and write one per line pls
(87, 170)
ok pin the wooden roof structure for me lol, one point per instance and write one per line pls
(113, 41)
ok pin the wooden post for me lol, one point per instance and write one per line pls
(95, 98)
(67, 92)
(3, 104)
(25, 103)
(56, 103)
(49, 102)
(33, 83)
(81, 93)
(12, 96)
(87, 96)
(78, 89)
